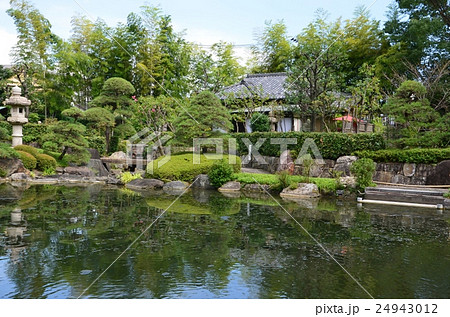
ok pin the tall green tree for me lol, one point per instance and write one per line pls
(317, 72)
(214, 69)
(411, 110)
(31, 55)
(5, 75)
(273, 51)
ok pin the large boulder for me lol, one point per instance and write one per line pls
(202, 181)
(19, 177)
(79, 170)
(97, 166)
(175, 188)
(441, 174)
(304, 190)
(145, 184)
(94, 154)
(11, 166)
(230, 187)
(118, 156)
(343, 164)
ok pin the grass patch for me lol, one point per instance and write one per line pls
(181, 167)
(325, 185)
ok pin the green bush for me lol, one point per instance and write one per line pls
(32, 132)
(181, 167)
(128, 177)
(220, 173)
(26, 148)
(418, 156)
(4, 134)
(98, 143)
(260, 122)
(50, 146)
(363, 170)
(330, 145)
(45, 162)
(6, 151)
(28, 160)
(447, 195)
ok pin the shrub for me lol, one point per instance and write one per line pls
(447, 195)
(363, 170)
(181, 167)
(220, 173)
(260, 122)
(28, 160)
(45, 162)
(284, 179)
(50, 146)
(128, 177)
(98, 143)
(6, 151)
(26, 148)
(4, 134)
(49, 171)
(32, 132)
(330, 145)
(418, 156)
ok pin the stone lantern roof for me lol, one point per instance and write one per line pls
(16, 99)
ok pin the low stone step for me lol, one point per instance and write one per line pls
(403, 190)
(405, 197)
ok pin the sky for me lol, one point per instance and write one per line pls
(204, 21)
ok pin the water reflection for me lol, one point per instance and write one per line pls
(15, 233)
(56, 240)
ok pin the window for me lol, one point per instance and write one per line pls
(20, 110)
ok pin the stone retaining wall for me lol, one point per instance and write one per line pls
(396, 173)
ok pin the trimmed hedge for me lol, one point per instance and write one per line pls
(45, 162)
(330, 145)
(181, 167)
(26, 148)
(418, 156)
(28, 160)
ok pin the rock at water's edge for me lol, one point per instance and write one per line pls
(145, 184)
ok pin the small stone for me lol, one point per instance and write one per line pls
(85, 272)
(348, 181)
(409, 169)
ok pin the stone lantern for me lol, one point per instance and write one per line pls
(19, 109)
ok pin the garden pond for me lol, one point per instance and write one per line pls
(55, 241)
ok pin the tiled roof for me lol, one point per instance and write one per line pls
(270, 86)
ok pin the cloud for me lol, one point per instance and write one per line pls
(9, 39)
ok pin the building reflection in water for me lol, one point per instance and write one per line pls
(15, 233)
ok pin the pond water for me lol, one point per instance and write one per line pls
(55, 241)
